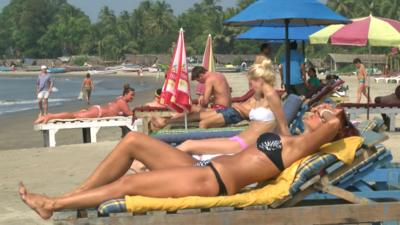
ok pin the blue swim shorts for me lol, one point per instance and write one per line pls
(231, 115)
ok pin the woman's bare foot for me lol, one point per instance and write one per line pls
(40, 204)
(39, 120)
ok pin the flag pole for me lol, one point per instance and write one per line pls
(186, 121)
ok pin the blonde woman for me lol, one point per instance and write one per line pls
(265, 115)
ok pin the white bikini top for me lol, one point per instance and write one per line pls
(261, 114)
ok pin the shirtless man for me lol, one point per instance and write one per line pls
(217, 95)
(264, 52)
(217, 91)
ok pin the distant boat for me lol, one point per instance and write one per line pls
(131, 68)
(153, 69)
(102, 72)
(5, 69)
(56, 70)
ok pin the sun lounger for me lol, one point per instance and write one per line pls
(176, 136)
(396, 79)
(390, 110)
(146, 111)
(304, 205)
(89, 127)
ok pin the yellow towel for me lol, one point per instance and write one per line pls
(277, 189)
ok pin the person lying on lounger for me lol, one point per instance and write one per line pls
(176, 174)
(118, 107)
(156, 101)
(262, 78)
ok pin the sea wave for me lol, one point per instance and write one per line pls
(23, 108)
(27, 102)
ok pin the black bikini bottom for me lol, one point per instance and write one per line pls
(271, 145)
(222, 188)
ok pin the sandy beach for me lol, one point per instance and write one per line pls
(57, 170)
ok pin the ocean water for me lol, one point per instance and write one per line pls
(17, 93)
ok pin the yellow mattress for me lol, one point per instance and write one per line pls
(276, 189)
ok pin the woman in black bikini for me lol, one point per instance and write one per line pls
(182, 176)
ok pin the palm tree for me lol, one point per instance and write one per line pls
(343, 7)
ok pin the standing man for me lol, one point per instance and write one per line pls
(297, 72)
(44, 84)
(362, 77)
(265, 51)
(216, 90)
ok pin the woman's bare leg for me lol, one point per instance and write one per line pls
(181, 182)
(159, 123)
(48, 117)
(153, 153)
(210, 146)
(216, 120)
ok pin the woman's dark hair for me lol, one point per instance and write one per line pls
(197, 71)
(356, 61)
(88, 75)
(347, 129)
(158, 92)
(127, 89)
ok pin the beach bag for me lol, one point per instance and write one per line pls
(80, 96)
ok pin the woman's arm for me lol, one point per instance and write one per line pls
(310, 142)
(276, 107)
(124, 107)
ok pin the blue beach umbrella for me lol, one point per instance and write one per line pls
(286, 13)
(278, 33)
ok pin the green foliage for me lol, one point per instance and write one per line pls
(52, 28)
(79, 60)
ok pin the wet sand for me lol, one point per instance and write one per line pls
(56, 170)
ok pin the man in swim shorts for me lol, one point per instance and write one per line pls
(231, 116)
(44, 84)
(216, 88)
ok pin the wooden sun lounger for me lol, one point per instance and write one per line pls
(387, 79)
(298, 208)
(390, 110)
(89, 127)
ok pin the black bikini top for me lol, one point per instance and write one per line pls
(271, 145)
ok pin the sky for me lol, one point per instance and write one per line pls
(92, 7)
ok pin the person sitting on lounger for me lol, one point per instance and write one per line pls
(392, 99)
(156, 101)
(118, 107)
(264, 113)
(176, 174)
(216, 88)
(264, 79)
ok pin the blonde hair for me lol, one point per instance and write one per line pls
(263, 70)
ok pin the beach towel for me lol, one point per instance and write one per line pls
(344, 150)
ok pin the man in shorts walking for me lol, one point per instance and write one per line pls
(44, 84)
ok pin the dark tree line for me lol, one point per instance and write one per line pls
(53, 28)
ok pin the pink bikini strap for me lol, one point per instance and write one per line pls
(239, 140)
